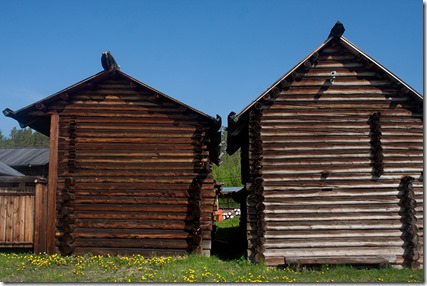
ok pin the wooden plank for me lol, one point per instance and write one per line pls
(52, 181)
(3, 209)
(40, 219)
(9, 219)
(29, 218)
(21, 222)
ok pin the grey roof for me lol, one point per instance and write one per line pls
(231, 189)
(5, 170)
(15, 157)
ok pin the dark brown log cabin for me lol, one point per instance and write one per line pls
(332, 161)
(129, 168)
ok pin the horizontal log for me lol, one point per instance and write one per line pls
(314, 139)
(137, 180)
(334, 242)
(348, 259)
(373, 224)
(154, 153)
(141, 194)
(130, 215)
(129, 251)
(137, 167)
(333, 132)
(135, 233)
(335, 251)
(158, 186)
(133, 243)
(145, 224)
(331, 201)
(277, 185)
(298, 194)
(316, 72)
(81, 160)
(136, 208)
(373, 234)
(159, 132)
(120, 113)
(132, 174)
(321, 78)
(340, 178)
(314, 125)
(133, 122)
(348, 217)
(132, 200)
(338, 114)
(335, 209)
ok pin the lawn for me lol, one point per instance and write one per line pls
(28, 267)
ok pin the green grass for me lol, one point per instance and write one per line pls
(91, 268)
(227, 266)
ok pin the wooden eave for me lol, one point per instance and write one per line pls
(237, 123)
(41, 122)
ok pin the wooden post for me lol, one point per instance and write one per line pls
(52, 181)
(40, 218)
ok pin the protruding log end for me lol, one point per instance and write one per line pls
(8, 112)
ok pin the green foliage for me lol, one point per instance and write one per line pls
(23, 138)
(136, 268)
(228, 172)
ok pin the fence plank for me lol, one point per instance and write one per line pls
(29, 218)
(9, 219)
(20, 222)
(2, 218)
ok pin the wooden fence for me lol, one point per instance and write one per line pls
(23, 213)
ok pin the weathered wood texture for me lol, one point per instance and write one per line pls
(333, 157)
(22, 213)
(133, 174)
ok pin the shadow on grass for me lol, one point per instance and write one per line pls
(16, 250)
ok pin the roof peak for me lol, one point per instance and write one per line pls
(108, 62)
(337, 30)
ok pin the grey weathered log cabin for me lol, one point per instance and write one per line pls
(129, 168)
(332, 161)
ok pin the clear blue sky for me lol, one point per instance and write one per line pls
(216, 56)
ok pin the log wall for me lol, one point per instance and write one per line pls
(133, 174)
(334, 158)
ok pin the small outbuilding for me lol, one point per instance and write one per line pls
(332, 161)
(129, 167)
